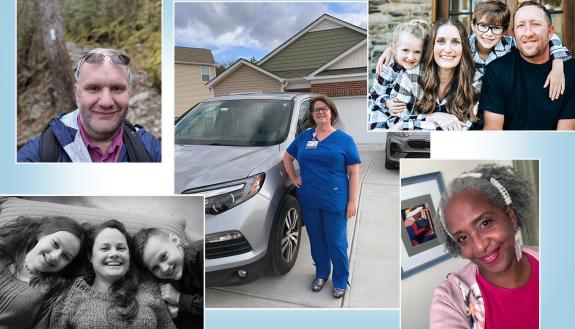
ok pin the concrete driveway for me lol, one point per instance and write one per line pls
(373, 237)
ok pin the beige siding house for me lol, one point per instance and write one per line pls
(194, 67)
(298, 62)
(247, 78)
(329, 56)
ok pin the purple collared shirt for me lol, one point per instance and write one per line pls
(113, 150)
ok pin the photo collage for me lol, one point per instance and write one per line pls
(373, 163)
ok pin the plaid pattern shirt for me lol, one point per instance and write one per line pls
(504, 46)
(409, 91)
(378, 114)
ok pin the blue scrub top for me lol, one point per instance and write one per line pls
(323, 169)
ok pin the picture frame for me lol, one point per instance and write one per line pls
(421, 245)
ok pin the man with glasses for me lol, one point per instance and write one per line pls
(514, 95)
(98, 130)
(490, 21)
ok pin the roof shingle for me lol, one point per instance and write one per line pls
(193, 55)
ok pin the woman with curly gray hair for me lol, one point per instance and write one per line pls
(480, 215)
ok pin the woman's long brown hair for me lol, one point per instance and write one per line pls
(462, 94)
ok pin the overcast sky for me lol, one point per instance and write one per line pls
(233, 30)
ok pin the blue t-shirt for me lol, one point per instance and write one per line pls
(323, 169)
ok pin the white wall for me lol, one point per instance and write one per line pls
(417, 290)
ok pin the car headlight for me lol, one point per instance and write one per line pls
(225, 196)
(401, 134)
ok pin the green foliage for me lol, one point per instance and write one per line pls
(133, 26)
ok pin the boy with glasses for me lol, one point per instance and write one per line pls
(489, 22)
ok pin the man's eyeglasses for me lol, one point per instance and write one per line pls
(497, 29)
(321, 109)
(98, 58)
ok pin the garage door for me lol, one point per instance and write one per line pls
(353, 113)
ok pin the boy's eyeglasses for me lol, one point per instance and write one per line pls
(498, 29)
(321, 109)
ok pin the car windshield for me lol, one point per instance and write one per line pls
(242, 122)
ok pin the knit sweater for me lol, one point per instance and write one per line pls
(457, 303)
(19, 303)
(83, 307)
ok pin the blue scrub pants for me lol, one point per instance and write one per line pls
(327, 233)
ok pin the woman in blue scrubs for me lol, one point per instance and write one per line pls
(327, 191)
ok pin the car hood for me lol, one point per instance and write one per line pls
(202, 165)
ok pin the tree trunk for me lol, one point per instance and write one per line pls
(57, 54)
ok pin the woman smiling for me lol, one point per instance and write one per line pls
(110, 296)
(481, 214)
(441, 88)
(327, 191)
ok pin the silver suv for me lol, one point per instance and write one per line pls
(230, 149)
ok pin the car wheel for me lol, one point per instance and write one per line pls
(285, 237)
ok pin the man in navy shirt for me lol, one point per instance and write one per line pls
(512, 96)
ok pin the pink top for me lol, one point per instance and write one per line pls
(458, 302)
(113, 150)
(512, 308)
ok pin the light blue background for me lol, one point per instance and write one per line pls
(556, 151)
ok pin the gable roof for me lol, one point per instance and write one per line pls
(239, 63)
(323, 22)
(188, 55)
(333, 38)
(323, 70)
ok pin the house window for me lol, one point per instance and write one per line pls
(462, 10)
(555, 7)
(205, 73)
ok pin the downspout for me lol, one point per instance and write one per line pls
(284, 85)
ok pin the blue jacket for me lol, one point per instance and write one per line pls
(67, 133)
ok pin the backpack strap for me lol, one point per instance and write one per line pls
(134, 147)
(50, 149)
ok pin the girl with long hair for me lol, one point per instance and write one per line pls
(38, 260)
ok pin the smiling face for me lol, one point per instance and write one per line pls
(485, 40)
(484, 232)
(324, 115)
(102, 96)
(53, 252)
(110, 255)
(164, 257)
(408, 50)
(532, 34)
(447, 47)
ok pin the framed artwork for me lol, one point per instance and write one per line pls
(421, 244)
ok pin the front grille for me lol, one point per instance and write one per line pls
(227, 248)
(417, 155)
(418, 144)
